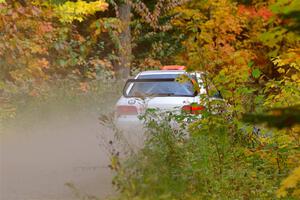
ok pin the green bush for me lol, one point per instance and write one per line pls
(215, 159)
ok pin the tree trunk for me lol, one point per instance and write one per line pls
(123, 68)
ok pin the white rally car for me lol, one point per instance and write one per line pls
(160, 90)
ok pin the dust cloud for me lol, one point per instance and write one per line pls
(57, 155)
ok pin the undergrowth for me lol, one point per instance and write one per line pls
(212, 158)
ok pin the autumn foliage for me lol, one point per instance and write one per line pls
(249, 51)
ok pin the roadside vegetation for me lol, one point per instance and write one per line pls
(77, 51)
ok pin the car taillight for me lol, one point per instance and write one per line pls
(192, 109)
(126, 110)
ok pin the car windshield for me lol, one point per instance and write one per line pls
(158, 85)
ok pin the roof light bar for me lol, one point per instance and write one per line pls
(173, 67)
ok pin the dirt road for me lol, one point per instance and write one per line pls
(38, 159)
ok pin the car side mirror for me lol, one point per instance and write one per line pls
(196, 93)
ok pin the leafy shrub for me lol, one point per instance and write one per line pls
(216, 160)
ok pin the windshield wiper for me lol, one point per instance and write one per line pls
(165, 94)
(160, 94)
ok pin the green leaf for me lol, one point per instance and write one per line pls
(98, 24)
(62, 62)
(251, 63)
(256, 73)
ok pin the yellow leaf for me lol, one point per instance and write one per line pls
(71, 11)
(294, 77)
(290, 182)
(281, 70)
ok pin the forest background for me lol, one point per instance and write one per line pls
(249, 49)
